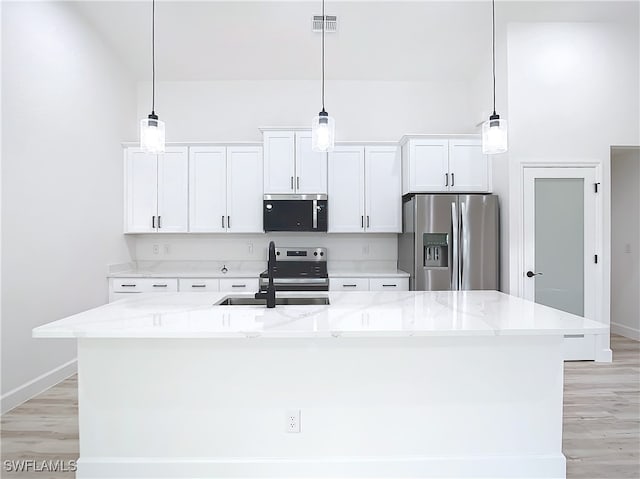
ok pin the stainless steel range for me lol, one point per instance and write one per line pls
(299, 269)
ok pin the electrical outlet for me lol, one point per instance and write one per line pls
(250, 247)
(292, 420)
(156, 249)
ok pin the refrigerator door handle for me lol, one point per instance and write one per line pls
(453, 267)
(462, 242)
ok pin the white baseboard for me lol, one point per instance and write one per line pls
(34, 387)
(626, 331)
(534, 466)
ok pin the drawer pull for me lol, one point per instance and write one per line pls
(198, 285)
(127, 285)
(389, 285)
(159, 285)
(574, 336)
(349, 285)
(238, 285)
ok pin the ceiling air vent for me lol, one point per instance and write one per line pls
(330, 25)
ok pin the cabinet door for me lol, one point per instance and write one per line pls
(207, 189)
(244, 190)
(173, 181)
(346, 190)
(428, 166)
(468, 167)
(311, 166)
(279, 162)
(141, 191)
(383, 190)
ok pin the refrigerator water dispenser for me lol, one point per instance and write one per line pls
(435, 248)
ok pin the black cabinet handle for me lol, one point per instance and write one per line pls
(297, 182)
(238, 285)
(228, 221)
(349, 285)
(389, 285)
(198, 285)
(446, 179)
(159, 285)
(159, 224)
(368, 223)
(223, 221)
(362, 221)
(153, 222)
(292, 182)
(127, 285)
(453, 180)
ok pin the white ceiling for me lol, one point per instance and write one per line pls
(270, 40)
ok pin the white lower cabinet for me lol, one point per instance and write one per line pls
(369, 284)
(389, 284)
(348, 284)
(120, 288)
(239, 285)
(198, 285)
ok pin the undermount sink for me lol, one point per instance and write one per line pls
(291, 301)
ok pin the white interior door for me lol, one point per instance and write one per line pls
(560, 250)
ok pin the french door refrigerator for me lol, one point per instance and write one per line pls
(450, 242)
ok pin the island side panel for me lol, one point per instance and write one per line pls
(389, 407)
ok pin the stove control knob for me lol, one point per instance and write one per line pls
(315, 253)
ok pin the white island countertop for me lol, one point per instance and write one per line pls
(349, 314)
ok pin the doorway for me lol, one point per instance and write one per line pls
(560, 254)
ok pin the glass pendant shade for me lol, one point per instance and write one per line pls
(323, 129)
(494, 136)
(152, 135)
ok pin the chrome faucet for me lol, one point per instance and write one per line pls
(270, 293)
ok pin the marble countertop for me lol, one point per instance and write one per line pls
(350, 314)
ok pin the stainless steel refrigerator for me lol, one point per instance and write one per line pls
(450, 242)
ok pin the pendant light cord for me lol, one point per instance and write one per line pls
(493, 23)
(153, 56)
(323, 24)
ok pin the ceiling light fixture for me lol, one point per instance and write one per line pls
(151, 128)
(494, 130)
(323, 126)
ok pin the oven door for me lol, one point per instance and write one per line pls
(295, 213)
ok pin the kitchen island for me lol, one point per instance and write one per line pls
(397, 384)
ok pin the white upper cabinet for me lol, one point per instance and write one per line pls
(383, 189)
(207, 189)
(346, 190)
(156, 191)
(244, 189)
(290, 165)
(279, 162)
(468, 167)
(225, 189)
(311, 166)
(365, 190)
(444, 165)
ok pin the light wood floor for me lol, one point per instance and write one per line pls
(601, 420)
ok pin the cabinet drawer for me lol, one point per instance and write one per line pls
(144, 285)
(348, 284)
(389, 284)
(196, 285)
(239, 284)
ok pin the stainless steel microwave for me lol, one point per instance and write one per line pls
(295, 212)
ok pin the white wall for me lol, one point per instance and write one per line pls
(67, 105)
(625, 242)
(363, 110)
(573, 92)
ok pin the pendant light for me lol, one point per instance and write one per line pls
(494, 130)
(151, 128)
(323, 126)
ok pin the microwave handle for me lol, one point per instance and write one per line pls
(315, 214)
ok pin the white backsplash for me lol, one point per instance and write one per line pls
(356, 252)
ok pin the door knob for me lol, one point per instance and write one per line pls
(531, 274)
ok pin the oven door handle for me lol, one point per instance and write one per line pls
(315, 214)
